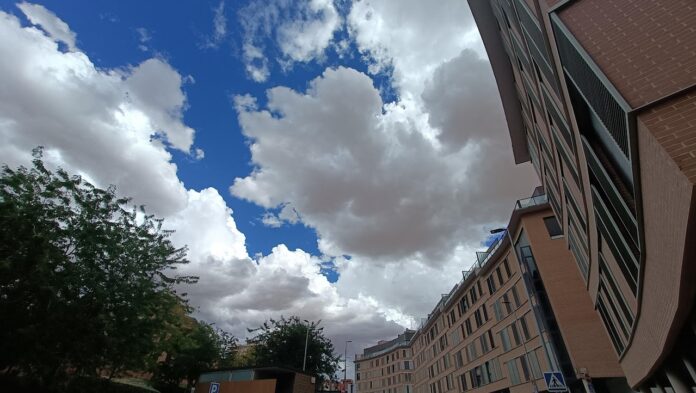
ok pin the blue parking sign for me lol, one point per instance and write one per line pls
(214, 387)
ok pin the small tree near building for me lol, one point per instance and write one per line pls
(282, 343)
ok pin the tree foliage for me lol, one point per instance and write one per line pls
(86, 282)
(282, 343)
(191, 347)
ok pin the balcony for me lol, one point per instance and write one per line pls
(531, 201)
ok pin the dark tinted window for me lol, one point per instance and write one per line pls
(552, 226)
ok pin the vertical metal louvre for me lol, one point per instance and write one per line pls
(595, 92)
(530, 25)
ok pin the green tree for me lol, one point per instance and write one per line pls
(190, 348)
(86, 282)
(282, 343)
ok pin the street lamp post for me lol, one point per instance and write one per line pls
(306, 342)
(345, 364)
(524, 346)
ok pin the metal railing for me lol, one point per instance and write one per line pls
(531, 201)
(390, 348)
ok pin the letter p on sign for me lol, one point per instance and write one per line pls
(214, 387)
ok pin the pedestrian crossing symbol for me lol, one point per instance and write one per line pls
(555, 382)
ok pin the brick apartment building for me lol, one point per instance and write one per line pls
(600, 95)
(386, 367)
(522, 309)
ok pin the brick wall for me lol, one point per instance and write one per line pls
(673, 124)
(647, 49)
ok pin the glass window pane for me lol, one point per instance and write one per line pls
(534, 364)
(552, 226)
(525, 369)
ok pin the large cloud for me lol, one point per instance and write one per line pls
(93, 121)
(408, 188)
(108, 125)
(370, 182)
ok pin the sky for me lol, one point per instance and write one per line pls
(337, 160)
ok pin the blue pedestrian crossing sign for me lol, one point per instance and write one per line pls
(214, 387)
(555, 381)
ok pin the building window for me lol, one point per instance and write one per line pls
(458, 360)
(506, 265)
(506, 303)
(497, 310)
(516, 298)
(553, 227)
(500, 275)
(513, 374)
(462, 382)
(525, 329)
(534, 364)
(471, 352)
(477, 316)
(464, 304)
(484, 344)
(505, 339)
(515, 334)
(525, 368)
(491, 284)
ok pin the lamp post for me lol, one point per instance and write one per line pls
(345, 364)
(306, 342)
(524, 345)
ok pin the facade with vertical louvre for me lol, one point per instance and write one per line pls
(609, 122)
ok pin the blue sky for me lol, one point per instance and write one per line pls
(358, 191)
(108, 33)
(119, 34)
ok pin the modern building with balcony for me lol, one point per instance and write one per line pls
(520, 310)
(600, 95)
(386, 367)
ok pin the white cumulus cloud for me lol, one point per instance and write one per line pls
(300, 31)
(38, 15)
(116, 126)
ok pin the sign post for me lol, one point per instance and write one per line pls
(214, 387)
(555, 383)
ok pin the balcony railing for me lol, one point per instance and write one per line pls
(531, 201)
(382, 351)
